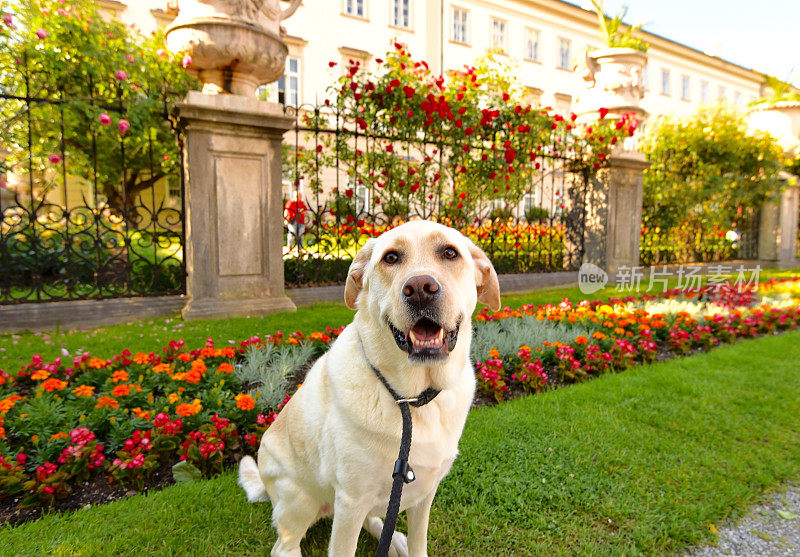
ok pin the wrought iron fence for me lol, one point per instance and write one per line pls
(697, 241)
(92, 196)
(344, 184)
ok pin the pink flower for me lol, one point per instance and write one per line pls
(124, 126)
(161, 53)
(41, 33)
(121, 75)
(55, 159)
(105, 119)
(186, 61)
(8, 19)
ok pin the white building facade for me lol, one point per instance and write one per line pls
(544, 39)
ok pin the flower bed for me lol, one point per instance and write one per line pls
(124, 421)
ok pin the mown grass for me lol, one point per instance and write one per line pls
(637, 463)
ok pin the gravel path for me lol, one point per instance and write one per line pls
(772, 528)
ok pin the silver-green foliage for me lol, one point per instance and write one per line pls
(270, 368)
(508, 335)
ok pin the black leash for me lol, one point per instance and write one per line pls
(402, 470)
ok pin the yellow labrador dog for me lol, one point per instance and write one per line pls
(332, 448)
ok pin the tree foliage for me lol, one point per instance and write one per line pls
(707, 172)
(92, 96)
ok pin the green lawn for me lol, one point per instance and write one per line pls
(637, 463)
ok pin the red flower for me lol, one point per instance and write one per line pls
(603, 112)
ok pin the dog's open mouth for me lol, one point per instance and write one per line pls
(426, 340)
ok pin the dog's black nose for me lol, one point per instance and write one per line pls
(421, 291)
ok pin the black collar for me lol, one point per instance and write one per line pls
(421, 399)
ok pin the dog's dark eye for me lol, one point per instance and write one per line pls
(449, 253)
(391, 257)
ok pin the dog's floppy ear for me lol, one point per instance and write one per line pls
(355, 276)
(485, 278)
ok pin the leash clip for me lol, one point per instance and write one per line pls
(403, 468)
(409, 400)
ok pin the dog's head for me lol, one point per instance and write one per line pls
(421, 281)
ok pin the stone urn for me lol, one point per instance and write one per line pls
(612, 79)
(232, 46)
(780, 119)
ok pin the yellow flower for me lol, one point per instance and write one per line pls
(173, 398)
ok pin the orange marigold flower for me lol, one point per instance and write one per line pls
(106, 402)
(83, 390)
(189, 408)
(8, 403)
(190, 376)
(59, 435)
(173, 398)
(225, 367)
(162, 368)
(619, 331)
(582, 340)
(199, 366)
(493, 353)
(207, 352)
(40, 374)
(599, 335)
(140, 358)
(53, 384)
(185, 357)
(292, 341)
(2, 432)
(97, 363)
(228, 352)
(139, 413)
(245, 402)
(120, 375)
(121, 390)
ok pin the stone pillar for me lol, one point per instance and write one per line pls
(777, 229)
(614, 212)
(234, 212)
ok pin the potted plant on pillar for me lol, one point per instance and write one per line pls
(613, 75)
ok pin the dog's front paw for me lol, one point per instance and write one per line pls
(399, 546)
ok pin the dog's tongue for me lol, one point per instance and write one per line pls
(426, 330)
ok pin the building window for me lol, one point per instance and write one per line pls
(737, 98)
(685, 84)
(532, 45)
(354, 7)
(499, 35)
(362, 200)
(401, 13)
(665, 82)
(564, 56)
(721, 93)
(460, 26)
(174, 188)
(704, 91)
(646, 77)
(289, 83)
